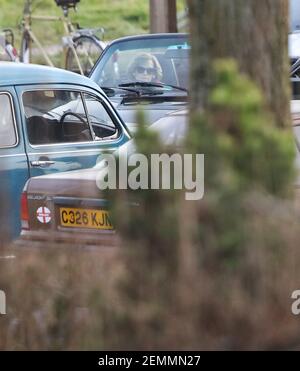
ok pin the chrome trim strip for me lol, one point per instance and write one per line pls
(14, 155)
(79, 150)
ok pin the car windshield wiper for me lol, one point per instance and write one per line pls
(110, 91)
(151, 85)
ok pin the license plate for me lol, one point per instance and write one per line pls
(85, 218)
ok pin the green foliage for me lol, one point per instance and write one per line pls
(243, 148)
(245, 154)
(247, 160)
(147, 221)
(140, 225)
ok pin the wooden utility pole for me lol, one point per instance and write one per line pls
(163, 17)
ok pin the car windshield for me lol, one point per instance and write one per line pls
(156, 61)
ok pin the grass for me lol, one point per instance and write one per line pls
(120, 18)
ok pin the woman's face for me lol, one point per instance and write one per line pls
(145, 71)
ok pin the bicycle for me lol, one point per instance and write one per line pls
(82, 47)
(7, 50)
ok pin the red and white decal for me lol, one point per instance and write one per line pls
(43, 215)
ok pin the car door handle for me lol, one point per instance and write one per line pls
(42, 163)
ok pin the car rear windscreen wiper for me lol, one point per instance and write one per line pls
(152, 85)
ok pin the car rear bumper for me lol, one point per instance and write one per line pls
(73, 239)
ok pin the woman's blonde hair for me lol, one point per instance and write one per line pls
(140, 59)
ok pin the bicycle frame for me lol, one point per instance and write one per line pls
(28, 17)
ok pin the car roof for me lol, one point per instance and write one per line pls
(22, 74)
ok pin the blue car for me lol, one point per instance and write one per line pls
(51, 120)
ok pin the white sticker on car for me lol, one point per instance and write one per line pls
(43, 215)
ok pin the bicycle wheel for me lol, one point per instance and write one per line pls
(88, 50)
(25, 54)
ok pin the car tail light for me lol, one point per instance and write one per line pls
(24, 212)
